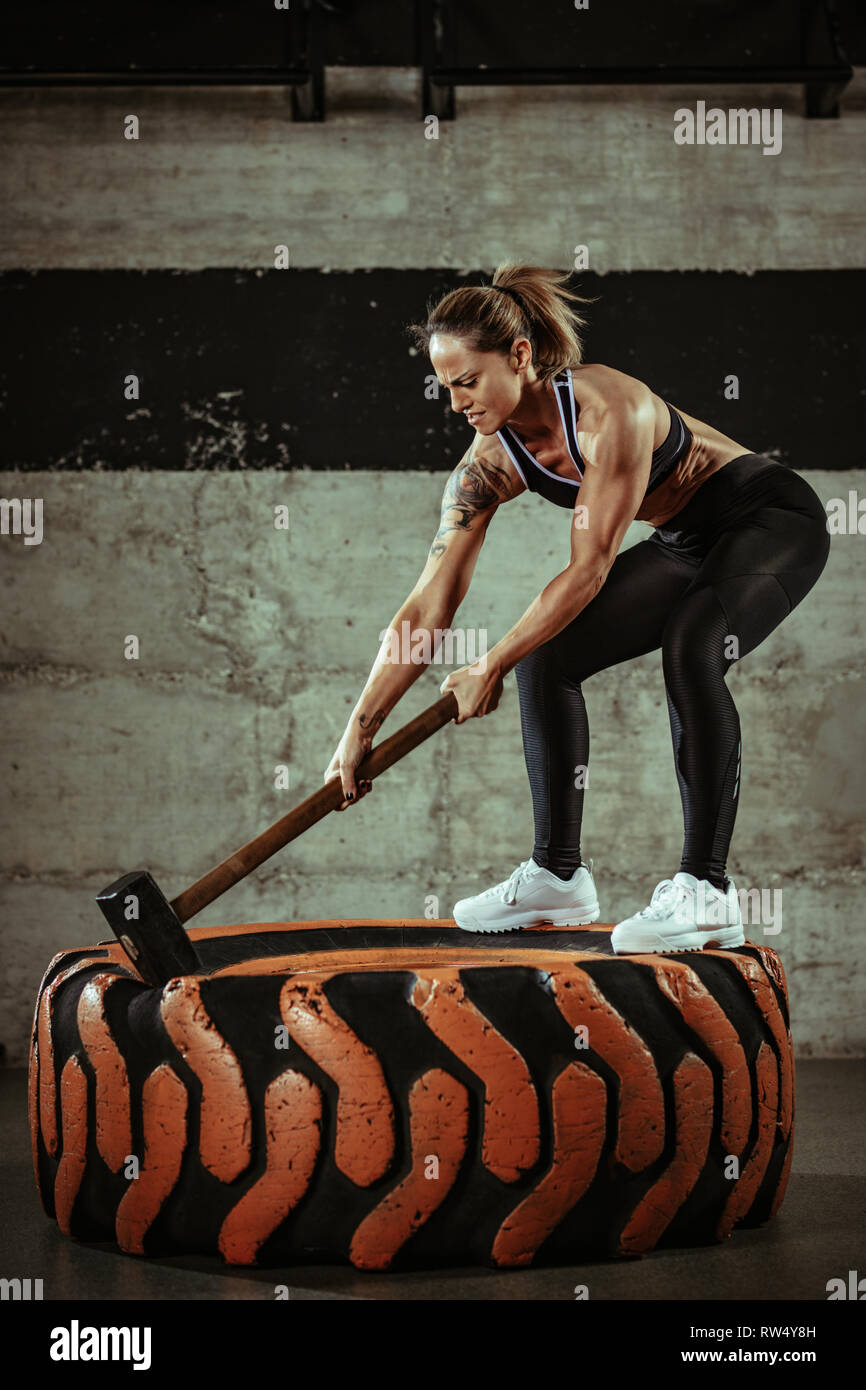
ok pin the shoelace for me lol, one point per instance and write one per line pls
(507, 889)
(664, 899)
(513, 882)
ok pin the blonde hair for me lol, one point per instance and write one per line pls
(489, 321)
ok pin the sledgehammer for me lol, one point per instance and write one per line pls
(150, 928)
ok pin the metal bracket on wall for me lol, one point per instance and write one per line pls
(302, 69)
(824, 79)
(823, 93)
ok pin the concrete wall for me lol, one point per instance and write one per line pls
(219, 177)
(255, 644)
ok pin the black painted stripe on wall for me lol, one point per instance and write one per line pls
(305, 369)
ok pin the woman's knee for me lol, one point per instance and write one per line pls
(696, 641)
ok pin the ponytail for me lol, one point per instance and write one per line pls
(523, 301)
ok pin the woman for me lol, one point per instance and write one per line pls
(739, 540)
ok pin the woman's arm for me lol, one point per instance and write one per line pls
(472, 494)
(618, 460)
(483, 480)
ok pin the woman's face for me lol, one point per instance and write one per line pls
(485, 386)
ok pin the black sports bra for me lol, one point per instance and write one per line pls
(563, 491)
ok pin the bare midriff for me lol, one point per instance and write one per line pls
(708, 452)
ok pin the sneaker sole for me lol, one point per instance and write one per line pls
(654, 943)
(563, 918)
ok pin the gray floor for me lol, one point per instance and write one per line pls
(817, 1235)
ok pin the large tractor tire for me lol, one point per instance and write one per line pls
(402, 1095)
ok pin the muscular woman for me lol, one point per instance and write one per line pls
(738, 542)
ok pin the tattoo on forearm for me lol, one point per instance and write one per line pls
(371, 722)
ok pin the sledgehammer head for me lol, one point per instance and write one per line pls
(147, 928)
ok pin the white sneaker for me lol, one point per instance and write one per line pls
(529, 896)
(685, 914)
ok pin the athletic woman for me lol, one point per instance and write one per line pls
(738, 541)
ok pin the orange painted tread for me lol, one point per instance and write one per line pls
(402, 1095)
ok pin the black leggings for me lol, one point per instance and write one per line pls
(707, 588)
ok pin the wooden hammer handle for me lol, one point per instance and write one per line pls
(326, 799)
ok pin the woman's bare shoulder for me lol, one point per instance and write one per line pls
(598, 385)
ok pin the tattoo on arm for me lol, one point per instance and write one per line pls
(372, 722)
(473, 488)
